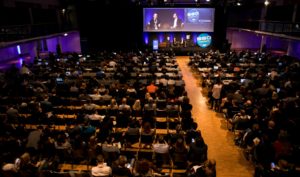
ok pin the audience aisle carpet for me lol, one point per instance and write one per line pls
(230, 159)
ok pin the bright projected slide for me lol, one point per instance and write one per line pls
(179, 19)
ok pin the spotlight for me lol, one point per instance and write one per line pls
(267, 2)
(207, 0)
(63, 10)
(66, 34)
(238, 4)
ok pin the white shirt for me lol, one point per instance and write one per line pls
(155, 24)
(95, 117)
(112, 63)
(216, 91)
(161, 148)
(175, 23)
(95, 96)
(101, 170)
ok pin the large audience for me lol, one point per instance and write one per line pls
(119, 113)
(128, 114)
(259, 96)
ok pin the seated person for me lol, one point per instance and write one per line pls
(147, 134)
(240, 120)
(89, 106)
(161, 146)
(101, 169)
(177, 23)
(95, 96)
(154, 23)
(207, 168)
(198, 151)
(143, 168)
(119, 167)
(132, 133)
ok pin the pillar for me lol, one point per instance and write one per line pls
(262, 43)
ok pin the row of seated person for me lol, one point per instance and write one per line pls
(71, 150)
(163, 148)
(76, 142)
(95, 113)
(261, 109)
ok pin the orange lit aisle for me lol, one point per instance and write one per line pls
(230, 159)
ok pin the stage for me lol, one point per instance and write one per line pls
(183, 50)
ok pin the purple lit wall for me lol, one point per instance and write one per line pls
(7, 53)
(28, 48)
(51, 44)
(10, 55)
(275, 43)
(294, 49)
(69, 43)
(241, 39)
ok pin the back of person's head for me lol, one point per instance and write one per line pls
(143, 167)
(132, 124)
(178, 128)
(194, 125)
(187, 115)
(282, 135)
(210, 163)
(25, 158)
(243, 112)
(137, 104)
(100, 159)
(200, 172)
(137, 101)
(255, 127)
(124, 100)
(150, 100)
(147, 126)
(271, 124)
(113, 101)
(186, 100)
(161, 139)
(200, 142)
(179, 143)
(122, 160)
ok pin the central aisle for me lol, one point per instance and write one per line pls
(230, 160)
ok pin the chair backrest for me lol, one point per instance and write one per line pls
(161, 104)
(132, 138)
(146, 139)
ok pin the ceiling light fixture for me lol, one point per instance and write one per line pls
(267, 2)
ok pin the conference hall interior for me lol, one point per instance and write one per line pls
(149, 88)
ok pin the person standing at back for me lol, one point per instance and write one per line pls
(216, 95)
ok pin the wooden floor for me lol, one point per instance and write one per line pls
(230, 159)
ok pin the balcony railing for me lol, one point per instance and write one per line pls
(270, 26)
(18, 32)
